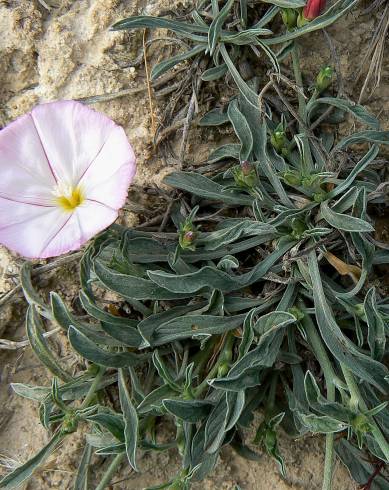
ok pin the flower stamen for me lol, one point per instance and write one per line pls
(68, 197)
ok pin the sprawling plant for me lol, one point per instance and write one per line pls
(260, 293)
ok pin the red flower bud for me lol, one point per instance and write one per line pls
(313, 9)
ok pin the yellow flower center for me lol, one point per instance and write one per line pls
(68, 197)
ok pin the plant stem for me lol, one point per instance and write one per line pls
(307, 160)
(93, 388)
(104, 482)
(358, 401)
(329, 375)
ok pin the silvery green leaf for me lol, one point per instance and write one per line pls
(40, 347)
(30, 293)
(341, 347)
(24, 472)
(112, 422)
(88, 349)
(193, 325)
(215, 28)
(358, 111)
(249, 36)
(371, 136)
(359, 465)
(242, 130)
(322, 424)
(230, 150)
(117, 448)
(191, 411)
(147, 326)
(34, 393)
(82, 478)
(344, 221)
(214, 73)
(90, 307)
(128, 335)
(359, 167)
(152, 403)
(64, 319)
(132, 287)
(166, 65)
(210, 277)
(272, 321)
(215, 426)
(215, 117)
(235, 403)
(248, 94)
(158, 23)
(131, 422)
(376, 326)
(207, 188)
(164, 371)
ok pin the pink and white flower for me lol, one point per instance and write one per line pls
(64, 173)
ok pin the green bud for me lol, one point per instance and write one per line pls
(361, 424)
(270, 440)
(70, 423)
(298, 227)
(245, 175)
(223, 369)
(187, 236)
(360, 310)
(320, 196)
(279, 141)
(296, 312)
(292, 177)
(289, 18)
(324, 78)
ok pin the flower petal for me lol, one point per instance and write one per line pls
(86, 221)
(108, 177)
(41, 232)
(25, 228)
(72, 135)
(25, 172)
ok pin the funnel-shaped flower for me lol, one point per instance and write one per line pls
(64, 173)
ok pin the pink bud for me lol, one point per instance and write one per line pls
(313, 9)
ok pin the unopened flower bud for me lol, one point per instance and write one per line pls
(313, 9)
(279, 141)
(298, 228)
(223, 369)
(289, 17)
(320, 196)
(324, 78)
(187, 238)
(245, 175)
(296, 312)
(292, 177)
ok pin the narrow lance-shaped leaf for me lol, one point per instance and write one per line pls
(340, 346)
(24, 472)
(34, 328)
(130, 421)
(88, 349)
(242, 130)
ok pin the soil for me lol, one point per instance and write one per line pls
(68, 52)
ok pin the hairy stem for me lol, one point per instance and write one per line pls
(104, 482)
(93, 388)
